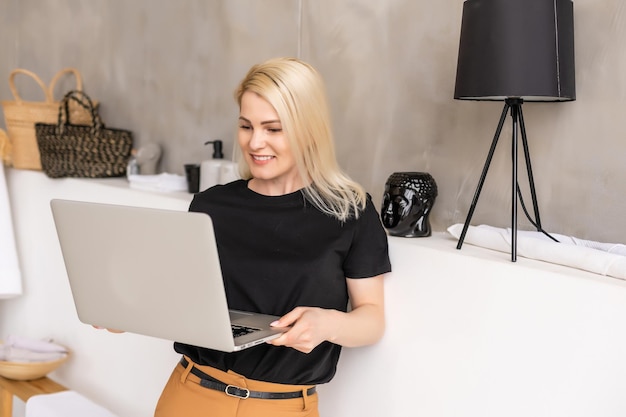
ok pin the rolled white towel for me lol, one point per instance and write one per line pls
(615, 248)
(542, 248)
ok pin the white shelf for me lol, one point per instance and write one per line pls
(469, 333)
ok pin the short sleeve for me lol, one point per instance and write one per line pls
(369, 252)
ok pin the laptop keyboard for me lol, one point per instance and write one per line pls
(242, 330)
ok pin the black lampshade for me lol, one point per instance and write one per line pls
(516, 48)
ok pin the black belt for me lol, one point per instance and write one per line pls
(207, 381)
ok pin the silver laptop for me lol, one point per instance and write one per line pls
(153, 272)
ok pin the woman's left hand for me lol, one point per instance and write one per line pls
(363, 325)
(308, 327)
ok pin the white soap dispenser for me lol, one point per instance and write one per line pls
(229, 171)
(210, 169)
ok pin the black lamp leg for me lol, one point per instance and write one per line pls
(515, 108)
(479, 188)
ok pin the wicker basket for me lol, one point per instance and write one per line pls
(5, 148)
(26, 371)
(21, 151)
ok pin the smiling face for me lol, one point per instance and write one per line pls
(265, 148)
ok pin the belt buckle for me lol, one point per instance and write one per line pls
(235, 391)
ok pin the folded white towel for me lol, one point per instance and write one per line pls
(535, 245)
(64, 404)
(160, 182)
(35, 345)
(23, 349)
(12, 354)
(10, 273)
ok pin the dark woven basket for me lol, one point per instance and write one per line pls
(93, 151)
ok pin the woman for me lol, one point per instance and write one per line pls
(297, 238)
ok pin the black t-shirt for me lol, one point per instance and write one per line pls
(280, 252)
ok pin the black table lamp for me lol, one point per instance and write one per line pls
(515, 51)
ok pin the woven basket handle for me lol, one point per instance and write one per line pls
(83, 100)
(34, 76)
(64, 71)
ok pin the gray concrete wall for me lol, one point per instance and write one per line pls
(166, 70)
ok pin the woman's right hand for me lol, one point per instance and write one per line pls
(110, 330)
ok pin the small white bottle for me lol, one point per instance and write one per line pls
(132, 168)
(210, 168)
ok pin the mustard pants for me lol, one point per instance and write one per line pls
(184, 396)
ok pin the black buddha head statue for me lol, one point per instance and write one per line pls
(407, 202)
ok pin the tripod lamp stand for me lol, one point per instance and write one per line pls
(515, 51)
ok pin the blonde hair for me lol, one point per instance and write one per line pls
(297, 93)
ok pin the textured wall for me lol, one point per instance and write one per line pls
(168, 73)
